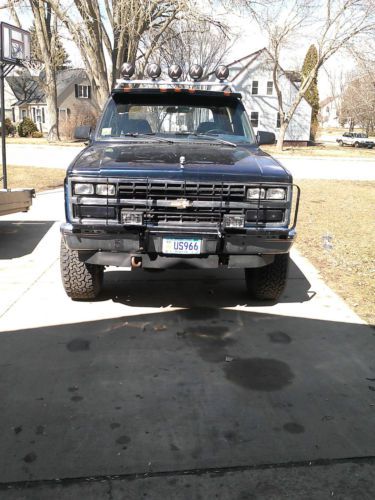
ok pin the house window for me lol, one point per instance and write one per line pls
(33, 114)
(278, 120)
(23, 114)
(43, 116)
(254, 87)
(83, 91)
(13, 115)
(254, 117)
(269, 88)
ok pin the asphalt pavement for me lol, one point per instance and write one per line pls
(362, 169)
(175, 385)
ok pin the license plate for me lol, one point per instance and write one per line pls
(181, 246)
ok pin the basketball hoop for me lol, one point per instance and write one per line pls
(34, 66)
(14, 50)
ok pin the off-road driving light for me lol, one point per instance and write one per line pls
(153, 71)
(255, 193)
(127, 70)
(196, 71)
(106, 189)
(174, 71)
(233, 220)
(222, 72)
(132, 218)
(275, 194)
(83, 188)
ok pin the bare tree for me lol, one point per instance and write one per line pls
(109, 32)
(358, 102)
(192, 42)
(334, 25)
(48, 47)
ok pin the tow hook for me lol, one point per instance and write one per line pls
(136, 261)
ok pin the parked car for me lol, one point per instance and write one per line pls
(173, 177)
(358, 140)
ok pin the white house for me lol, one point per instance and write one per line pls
(252, 76)
(329, 111)
(26, 98)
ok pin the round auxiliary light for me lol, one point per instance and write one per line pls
(222, 72)
(196, 71)
(174, 71)
(153, 70)
(127, 70)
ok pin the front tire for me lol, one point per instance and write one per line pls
(356, 144)
(81, 281)
(268, 282)
(341, 144)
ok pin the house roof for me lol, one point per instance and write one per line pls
(28, 89)
(326, 101)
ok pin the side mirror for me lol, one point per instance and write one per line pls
(265, 138)
(82, 133)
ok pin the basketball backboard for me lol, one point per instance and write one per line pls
(14, 44)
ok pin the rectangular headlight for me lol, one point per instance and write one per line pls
(255, 194)
(233, 220)
(106, 189)
(132, 218)
(275, 194)
(81, 188)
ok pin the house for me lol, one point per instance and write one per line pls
(252, 76)
(329, 112)
(73, 94)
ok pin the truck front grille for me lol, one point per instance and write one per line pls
(172, 190)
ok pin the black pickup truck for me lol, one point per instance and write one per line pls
(173, 177)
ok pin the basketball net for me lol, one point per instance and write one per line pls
(34, 66)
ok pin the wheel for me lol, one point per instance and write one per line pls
(356, 144)
(268, 282)
(341, 143)
(81, 281)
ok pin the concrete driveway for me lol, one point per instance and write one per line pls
(302, 168)
(174, 385)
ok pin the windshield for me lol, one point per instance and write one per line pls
(175, 117)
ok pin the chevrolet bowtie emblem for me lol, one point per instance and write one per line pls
(180, 203)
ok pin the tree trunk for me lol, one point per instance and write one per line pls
(52, 112)
(281, 137)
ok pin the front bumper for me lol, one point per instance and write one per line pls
(253, 247)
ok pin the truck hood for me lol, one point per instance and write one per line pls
(203, 161)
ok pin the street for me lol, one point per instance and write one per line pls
(174, 385)
(306, 168)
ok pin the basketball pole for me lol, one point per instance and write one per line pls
(3, 132)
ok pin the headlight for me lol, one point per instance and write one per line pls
(83, 188)
(106, 189)
(233, 220)
(132, 218)
(255, 194)
(275, 194)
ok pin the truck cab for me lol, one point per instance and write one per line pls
(173, 177)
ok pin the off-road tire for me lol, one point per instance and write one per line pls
(81, 281)
(341, 144)
(356, 144)
(268, 282)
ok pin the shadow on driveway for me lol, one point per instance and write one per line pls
(194, 389)
(196, 288)
(20, 238)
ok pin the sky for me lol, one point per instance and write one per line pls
(246, 38)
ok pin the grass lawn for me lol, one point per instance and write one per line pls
(32, 177)
(325, 150)
(342, 209)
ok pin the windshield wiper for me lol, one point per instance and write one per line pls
(207, 136)
(154, 138)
